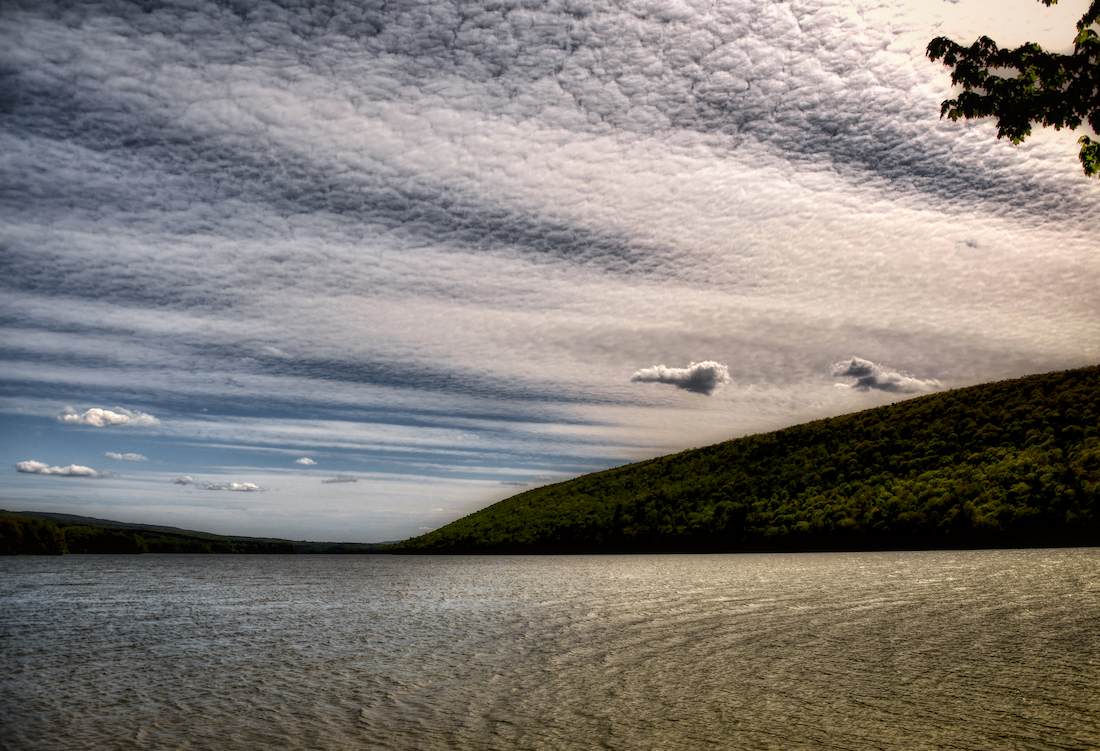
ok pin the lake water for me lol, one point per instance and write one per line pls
(927, 650)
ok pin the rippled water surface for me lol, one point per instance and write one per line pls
(958, 650)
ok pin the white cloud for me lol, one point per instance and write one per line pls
(125, 457)
(339, 479)
(101, 418)
(699, 377)
(73, 470)
(872, 377)
(306, 461)
(244, 487)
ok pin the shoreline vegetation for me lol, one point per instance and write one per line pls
(44, 533)
(1001, 465)
(1010, 464)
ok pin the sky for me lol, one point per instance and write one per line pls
(349, 271)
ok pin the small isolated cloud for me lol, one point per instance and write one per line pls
(870, 376)
(340, 478)
(125, 457)
(244, 487)
(305, 460)
(102, 418)
(73, 470)
(514, 483)
(698, 377)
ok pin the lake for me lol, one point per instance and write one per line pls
(887, 650)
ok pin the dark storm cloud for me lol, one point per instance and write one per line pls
(872, 377)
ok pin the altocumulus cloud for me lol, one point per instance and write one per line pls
(102, 418)
(872, 377)
(125, 457)
(73, 470)
(698, 377)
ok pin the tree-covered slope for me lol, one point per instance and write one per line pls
(44, 533)
(1001, 464)
(51, 533)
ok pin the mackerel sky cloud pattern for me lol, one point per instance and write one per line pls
(428, 241)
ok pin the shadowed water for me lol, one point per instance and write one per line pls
(944, 650)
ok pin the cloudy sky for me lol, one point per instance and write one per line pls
(352, 270)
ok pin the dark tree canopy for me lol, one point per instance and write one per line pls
(1028, 84)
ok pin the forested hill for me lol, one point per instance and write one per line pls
(47, 533)
(1014, 463)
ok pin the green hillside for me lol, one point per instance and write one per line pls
(1014, 463)
(47, 533)
(44, 533)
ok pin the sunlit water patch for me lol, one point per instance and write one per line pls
(970, 650)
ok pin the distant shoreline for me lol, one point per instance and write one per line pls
(48, 533)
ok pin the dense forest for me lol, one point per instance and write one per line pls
(35, 533)
(1013, 463)
(48, 533)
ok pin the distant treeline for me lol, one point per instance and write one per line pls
(47, 533)
(1014, 463)
(23, 535)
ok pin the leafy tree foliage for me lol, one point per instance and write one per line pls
(22, 536)
(1060, 91)
(103, 540)
(1015, 463)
